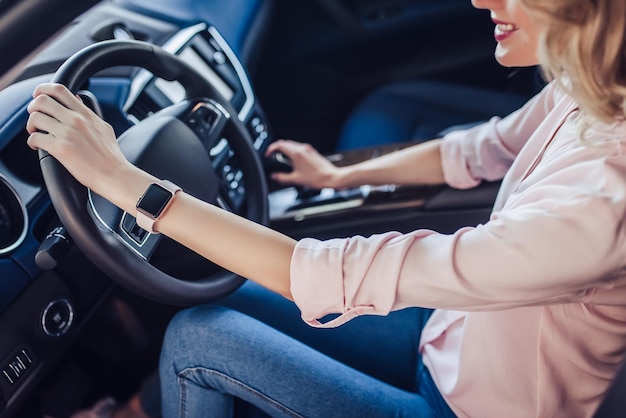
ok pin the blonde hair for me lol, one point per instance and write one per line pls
(583, 47)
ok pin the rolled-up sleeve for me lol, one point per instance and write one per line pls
(346, 275)
(486, 151)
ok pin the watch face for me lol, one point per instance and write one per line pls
(154, 200)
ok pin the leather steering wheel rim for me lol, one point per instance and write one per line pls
(70, 198)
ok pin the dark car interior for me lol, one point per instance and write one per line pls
(85, 295)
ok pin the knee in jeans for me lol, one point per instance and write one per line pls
(207, 324)
(188, 323)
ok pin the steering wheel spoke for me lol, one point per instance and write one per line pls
(124, 226)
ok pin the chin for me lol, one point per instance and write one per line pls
(507, 60)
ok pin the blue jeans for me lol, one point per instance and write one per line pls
(219, 361)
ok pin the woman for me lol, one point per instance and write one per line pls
(530, 317)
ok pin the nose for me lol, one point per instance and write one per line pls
(487, 4)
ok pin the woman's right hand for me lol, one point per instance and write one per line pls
(310, 168)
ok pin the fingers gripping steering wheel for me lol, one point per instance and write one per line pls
(173, 144)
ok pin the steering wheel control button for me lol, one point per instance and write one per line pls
(137, 233)
(259, 132)
(201, 120)
(204, 119)
(57, 318)
(17, 365)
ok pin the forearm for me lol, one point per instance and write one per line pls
(235, 243)
(419, 164)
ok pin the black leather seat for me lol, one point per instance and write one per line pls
(614, 404)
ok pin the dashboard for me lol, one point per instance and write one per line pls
(42, 301)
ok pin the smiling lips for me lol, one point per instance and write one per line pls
(503, 30)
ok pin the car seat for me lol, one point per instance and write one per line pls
(614, 403)
(421, 110)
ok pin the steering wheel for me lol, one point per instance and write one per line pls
(177, 144)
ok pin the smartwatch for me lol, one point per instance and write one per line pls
(154, 203)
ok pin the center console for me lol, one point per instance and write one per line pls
(366, 210)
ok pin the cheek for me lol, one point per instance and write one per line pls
(531, 50)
